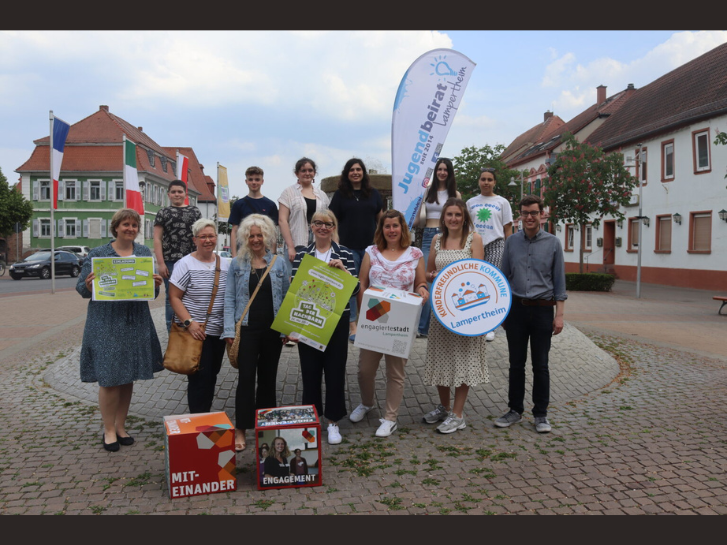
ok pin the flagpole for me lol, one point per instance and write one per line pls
(52, 215)
(217, 203)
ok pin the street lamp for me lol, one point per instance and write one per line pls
(513, 184)
(642, 160)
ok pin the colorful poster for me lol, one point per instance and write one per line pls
(123, 278)
(429, 95)
(314, 303)
(471, 297)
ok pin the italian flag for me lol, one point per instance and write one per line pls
(182, 168)
(131, 179)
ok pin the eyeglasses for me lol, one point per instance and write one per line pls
(525, 213)
(326, 224)
(207, 237)
(488, 169)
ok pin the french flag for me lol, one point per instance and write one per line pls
(182, 169)
(58, 142)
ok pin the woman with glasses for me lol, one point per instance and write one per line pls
(453, 361)
(331, 363)
(492, 218)
(190, 290)
(358, 207)
(298, 203)
(442, 187)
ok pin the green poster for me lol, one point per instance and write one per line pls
(123, 278)
(315, 302)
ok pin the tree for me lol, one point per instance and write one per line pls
(721, 139)
(470, 162)
(14, 208)
(584, 181)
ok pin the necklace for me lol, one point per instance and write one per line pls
(324, 257)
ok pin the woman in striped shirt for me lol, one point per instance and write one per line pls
(190, 290)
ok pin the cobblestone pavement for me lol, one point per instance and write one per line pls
(641, 433)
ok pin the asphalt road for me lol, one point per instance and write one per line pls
(34, 285)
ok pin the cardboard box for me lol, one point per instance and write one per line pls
(200, 454)
(388, 320)
(297, 431)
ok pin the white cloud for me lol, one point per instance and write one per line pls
(578, 81)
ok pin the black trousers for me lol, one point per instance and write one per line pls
(331, 363)
(201, 385)
(534, 325)
(258, 357)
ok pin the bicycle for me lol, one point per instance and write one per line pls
(2, 268)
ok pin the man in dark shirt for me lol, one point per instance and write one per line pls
(253, 203)
(533, 264)
(173, 236)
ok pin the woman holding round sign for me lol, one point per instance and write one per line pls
(331, 363)
(390, 262)
(453, 361)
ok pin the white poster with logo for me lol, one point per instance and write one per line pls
(471, 297)
(429, 95)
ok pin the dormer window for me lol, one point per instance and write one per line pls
(150, 154)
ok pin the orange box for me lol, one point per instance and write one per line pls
(200, 454)
(297, 431)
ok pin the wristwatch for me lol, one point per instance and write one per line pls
(187, 323)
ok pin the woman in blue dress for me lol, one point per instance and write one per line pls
(120, 343)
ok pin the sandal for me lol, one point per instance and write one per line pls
(240, 443)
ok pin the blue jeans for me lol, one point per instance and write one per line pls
(534, 324)
(427, 237)
(357, 258)
(168, 306)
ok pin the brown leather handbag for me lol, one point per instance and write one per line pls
(234, 348)
(184, 351)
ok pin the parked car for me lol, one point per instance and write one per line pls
(224, 253)
(80, 250)
(39, 263)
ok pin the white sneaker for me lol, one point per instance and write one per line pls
(334, 436)
(386, 428)
(490, 336)
(359, 412)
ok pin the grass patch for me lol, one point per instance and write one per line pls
(394, 504)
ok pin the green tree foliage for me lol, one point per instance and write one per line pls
(14, 208)
(468, 165)
(721, 139)
(583, 182)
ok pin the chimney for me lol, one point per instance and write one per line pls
(141, 129)
(630, 90)
(104, 108)
(547, 116)
(600, 94)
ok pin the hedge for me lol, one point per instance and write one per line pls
(589, 281)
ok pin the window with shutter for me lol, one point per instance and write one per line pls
(700, 236)
(633, 234)
(663, 234)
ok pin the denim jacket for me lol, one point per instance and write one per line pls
(238, 293)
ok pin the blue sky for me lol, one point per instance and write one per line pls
(267, 98)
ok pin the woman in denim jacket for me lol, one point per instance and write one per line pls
(260, 346)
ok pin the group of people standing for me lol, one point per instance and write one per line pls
(354, 233)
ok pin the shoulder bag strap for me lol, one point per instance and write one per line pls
(244, 312)
(214, 289)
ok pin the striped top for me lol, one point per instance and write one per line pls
(196, 279)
